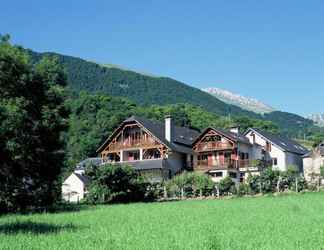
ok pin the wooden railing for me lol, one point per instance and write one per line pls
(206, 146)
(137, 143)
(227, 163)
(204, 164)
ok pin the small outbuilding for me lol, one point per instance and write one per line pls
(74, 188)
(313, 162)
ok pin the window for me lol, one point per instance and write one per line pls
(274, 161)
(268, 146)
(202, 159)
(216, 174)
(232, 175)
(133, 156)
(244, 156)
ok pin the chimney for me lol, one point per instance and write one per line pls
(235, 130)
(168, 128)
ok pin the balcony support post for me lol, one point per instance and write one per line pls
(141, 154)
(121, 155)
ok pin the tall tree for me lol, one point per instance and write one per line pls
(32, 119)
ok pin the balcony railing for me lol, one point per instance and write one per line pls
(137, 143)
(206, 146)
(227, 163)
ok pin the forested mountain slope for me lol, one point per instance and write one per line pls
(149, 90)
(142, 89)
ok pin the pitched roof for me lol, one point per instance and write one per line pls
(182, 138)
(85, 180)
(235, 137)
(146, 164)
(282, 142)
(230, 135)
(89, 161)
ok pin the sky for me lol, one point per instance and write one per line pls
(269, 50)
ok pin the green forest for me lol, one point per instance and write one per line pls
(147, 90)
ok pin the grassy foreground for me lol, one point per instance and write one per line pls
(287, 222)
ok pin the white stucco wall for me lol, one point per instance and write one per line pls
(73, 189)
(312, 165)
(281, 158)
(275, 152)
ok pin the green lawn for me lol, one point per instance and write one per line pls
(287, 222)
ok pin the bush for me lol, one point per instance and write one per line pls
(154, 191)
(288, 178)
(190, 184)
(115, 183)
(301, 184)
(269, 179)
(253, 182)
(226, 186)
(242, 189)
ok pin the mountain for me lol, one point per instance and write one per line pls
(317, 118)
(148, 90)
(140, 88)
(243, 102)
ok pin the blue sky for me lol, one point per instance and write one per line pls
(270, 50)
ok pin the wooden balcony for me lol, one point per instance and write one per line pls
(129, 144)
(213, 146)
(205, 165)
(226, 164)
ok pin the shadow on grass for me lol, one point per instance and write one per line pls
(30, 227)
(65, 207)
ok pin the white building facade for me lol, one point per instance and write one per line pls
(279, 152)
(313, 161)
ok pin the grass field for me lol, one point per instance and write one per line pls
(287, 222)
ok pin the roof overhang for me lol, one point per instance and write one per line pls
(101, 148)
(216, 130)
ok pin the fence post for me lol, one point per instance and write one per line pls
(165, 194)
(278, 184)
(296, 184)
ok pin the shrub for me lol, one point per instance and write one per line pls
(115, 183)
(269, 180)
(254, 184)
(190, 184)
(154, 191)
(301, 184)
(288, 178)
(242, 189)
(225, 185)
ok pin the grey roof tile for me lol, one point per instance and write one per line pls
(85, 180)
(282, 142)
(145, 164)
